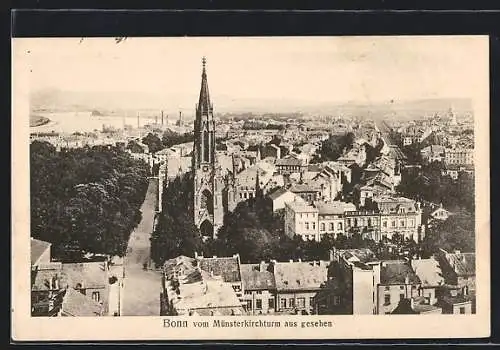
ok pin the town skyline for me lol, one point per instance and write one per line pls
(259, 72)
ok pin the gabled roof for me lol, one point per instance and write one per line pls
(301, 188)
(397, 272)
(76, 304)
(227, 267)
(278, 193)
(334, 208)
(428, 271)
(38, 247)
(289, 160)
(300, 275)
(256, 279)
(464, 264)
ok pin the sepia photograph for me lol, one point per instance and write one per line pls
(239, 184)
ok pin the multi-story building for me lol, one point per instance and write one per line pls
(398, 281)
(307, 192)
(290, 164)
(350, 288)
(459, 156)
(389, 216)
(433, 153)
(301, 219)
(297, 284)
(400, 215)
(331, 217)
(229, 268)
(69, 289)
(187, 290)
(260, 288)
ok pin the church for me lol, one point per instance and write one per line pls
(214, 172)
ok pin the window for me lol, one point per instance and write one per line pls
(307, 226)
(259, 292)
(339, 226)
(386, 288)
(401, 296)
(271, 303)
(301, 302)
(283, 303)
(402, 287)
(247, 292)
(412, 223)
(402, 223)
(258, 304)
(237, 288)
(322, 226)
(291, 302)
(348, 222)
(393, 223)
(314, 225)
(336, 300)
(462, 310)
(331, 226)
(95, 296)
(369, 222)
(311, 301)
(245, 195)
(384, 224)
(249, 305)
(387, 299)
(250, 195)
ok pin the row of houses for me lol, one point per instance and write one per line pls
(450, 156)
(73, 289)
(390, 215)
(352, 281)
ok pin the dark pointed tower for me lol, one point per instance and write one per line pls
(208, 206)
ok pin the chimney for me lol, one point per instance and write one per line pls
(407, 279)
(262, 266)
(50, 284)
(412, 303)
(196, 255)
(162, 117)
(291, 260)
(299, 260)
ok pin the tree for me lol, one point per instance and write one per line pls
(85, 200)
(153, 142)
(456, 233)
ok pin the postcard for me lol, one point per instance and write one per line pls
(250, 188)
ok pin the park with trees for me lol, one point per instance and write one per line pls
(85, 200)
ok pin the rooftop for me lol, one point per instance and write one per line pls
(78, 305)
(397, 272)
(300, 275)
(428, 271)
(464, 264)
(257, 277)
(301, 207)
(38, 247)
(227, 267)
(335, 208)
(362, 255)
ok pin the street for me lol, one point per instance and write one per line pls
(141, 291)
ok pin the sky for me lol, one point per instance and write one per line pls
(307, 69)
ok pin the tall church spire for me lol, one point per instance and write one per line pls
(204, 104)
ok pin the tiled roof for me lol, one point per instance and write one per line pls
(387, 204)
(300, 275)
(334, 208)
(464, 264)
(181, 265)
(256, 279)
(396, 272)
(227, 267)
(298, 188)
(428, 271)
(92, 274)
(301, 206)
(38, 247)
(362, 255)
(289, 161)
(78, 305)
(278, 193)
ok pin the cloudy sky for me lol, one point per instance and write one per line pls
(321, 69)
